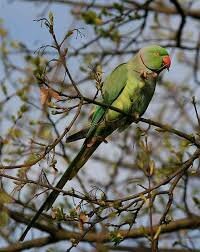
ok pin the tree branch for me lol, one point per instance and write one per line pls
(60, 235)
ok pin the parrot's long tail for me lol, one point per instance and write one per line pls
(78, 135)
(80, 159)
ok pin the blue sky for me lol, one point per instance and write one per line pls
(18, 18)
(19, 15)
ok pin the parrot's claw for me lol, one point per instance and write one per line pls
(136, 117)
(154, 75)
(143, 74)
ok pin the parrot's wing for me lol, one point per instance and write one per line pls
(112, 88)
(115, 83)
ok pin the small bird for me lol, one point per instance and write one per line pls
(129, 88)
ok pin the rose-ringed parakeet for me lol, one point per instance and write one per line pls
(130, 88)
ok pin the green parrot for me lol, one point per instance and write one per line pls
(129, 88)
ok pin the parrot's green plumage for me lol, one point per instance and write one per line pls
(130, 88)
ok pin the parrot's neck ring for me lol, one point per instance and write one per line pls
(152, 69)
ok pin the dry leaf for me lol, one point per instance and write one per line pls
(82, 219)
(54, 94)
(46, 94)
(80, 226)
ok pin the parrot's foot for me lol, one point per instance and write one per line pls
(143, 74)
(146, 74)
(96, 139)
(154, 75)
(136, 117)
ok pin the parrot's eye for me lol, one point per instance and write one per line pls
(156, 54)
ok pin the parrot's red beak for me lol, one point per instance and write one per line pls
(167, 62)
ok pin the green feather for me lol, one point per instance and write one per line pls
(115, 83)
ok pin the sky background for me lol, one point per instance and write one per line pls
(19, 15)
(18, 19)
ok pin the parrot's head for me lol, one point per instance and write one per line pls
(155, 58)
